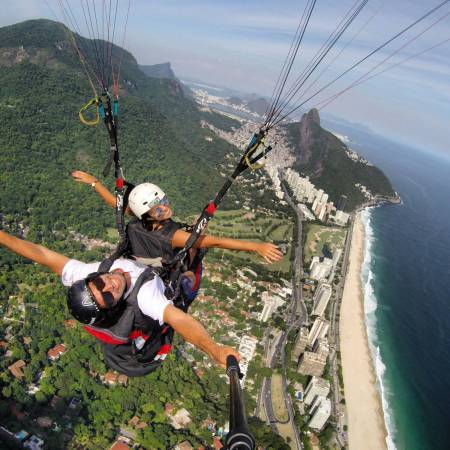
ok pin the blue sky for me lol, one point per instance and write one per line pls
(242, 45)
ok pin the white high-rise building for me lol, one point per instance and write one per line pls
(322, 347)
(341, 218)
(320, 270)
(318, 331)
(320, 193)
(271, 303)
(316, 387)
(300, 344)
(247, 349)
(312, 364)
(321, 298)
(311, 196)
(322, 212)
(337, 256)
(320, 413)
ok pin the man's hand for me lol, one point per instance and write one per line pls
(37, 253)
(192, 331)
(83, 177)
(270, 252)
(219, 355)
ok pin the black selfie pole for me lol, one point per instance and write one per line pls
(239, 437)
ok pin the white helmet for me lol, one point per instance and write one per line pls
(144, 196)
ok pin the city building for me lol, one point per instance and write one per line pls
(300, 344)
(54, 353)
(247, 349)
(317, 387)
(337, 256)
(113, 378)
(305, 192)
(320, 413)
(185, 445)
(320, 268)
(312, 364)
(181, 419)
(318, 331)
(322, 212)
(322, 347)
(34, 443)
(340, 206)
(321, 298)
(16, 369)
(341, 218)
(271, 303)
(119, 445)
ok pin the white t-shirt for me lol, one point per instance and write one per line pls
(151, 299)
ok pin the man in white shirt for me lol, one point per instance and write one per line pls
(93, 297)
(151, 299)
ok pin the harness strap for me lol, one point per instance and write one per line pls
(105, 335)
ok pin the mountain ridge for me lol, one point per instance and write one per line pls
(158, 123)
(326, 160)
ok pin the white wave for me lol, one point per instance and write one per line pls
(370, 307)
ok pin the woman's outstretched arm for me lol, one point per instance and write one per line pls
(87, 178)
(266, 250)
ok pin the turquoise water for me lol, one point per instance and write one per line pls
(407, 293)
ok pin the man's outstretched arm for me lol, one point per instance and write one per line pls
(193, 332)
(37, 253)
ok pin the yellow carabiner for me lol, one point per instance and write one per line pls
(85, 121)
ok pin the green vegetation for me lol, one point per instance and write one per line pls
(221, 121)
(241, 224)
(325, 436)
(279, 407)
(319, 235)
(264, 437)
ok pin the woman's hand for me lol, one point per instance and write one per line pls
(83, 177)
(270, 252)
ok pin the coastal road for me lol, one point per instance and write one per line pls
(335, 338)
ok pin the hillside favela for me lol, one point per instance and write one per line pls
(244, 248)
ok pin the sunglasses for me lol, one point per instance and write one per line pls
(157, 201)
(159, 212)
(98, 282)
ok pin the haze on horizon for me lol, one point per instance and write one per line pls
(242, 45)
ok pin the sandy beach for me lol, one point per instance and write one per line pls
(366, 427)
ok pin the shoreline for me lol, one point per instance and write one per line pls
(365, 417)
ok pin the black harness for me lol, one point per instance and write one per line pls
(136, 344)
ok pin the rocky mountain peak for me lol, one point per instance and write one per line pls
(309, 127)
(311, 117)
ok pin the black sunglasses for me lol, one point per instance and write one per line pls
(95, 279)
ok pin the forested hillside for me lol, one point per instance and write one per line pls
(41, 90)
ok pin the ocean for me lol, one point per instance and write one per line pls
(406, 276)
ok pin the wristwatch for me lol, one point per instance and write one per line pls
(94, 183)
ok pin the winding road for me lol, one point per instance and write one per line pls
(296, 316)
